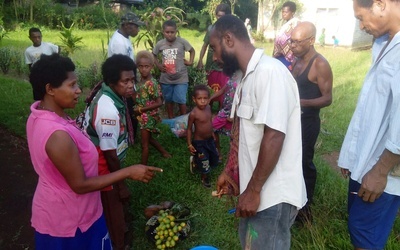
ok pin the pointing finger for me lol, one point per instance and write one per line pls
(155, 169)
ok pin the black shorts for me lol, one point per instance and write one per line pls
(206, 156)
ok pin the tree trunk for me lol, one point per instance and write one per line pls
(15, 10)
(32, 3)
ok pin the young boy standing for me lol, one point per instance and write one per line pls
(202, 147)
(174, 75)
(33, 52)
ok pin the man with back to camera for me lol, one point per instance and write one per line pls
(370, 154)
(33, 52)
(313, 75)
(267, 104)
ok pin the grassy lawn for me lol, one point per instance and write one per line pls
(212, 225)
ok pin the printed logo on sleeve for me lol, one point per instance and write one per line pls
(108, 122)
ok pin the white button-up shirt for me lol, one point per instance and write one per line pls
(268, 96)
(375, 125)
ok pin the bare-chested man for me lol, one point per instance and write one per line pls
(203, 145)
(313, 75)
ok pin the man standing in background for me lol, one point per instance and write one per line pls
(121, 44)
(33, 52)
(215, 77)
(313, 75)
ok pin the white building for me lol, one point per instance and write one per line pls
(336, 17)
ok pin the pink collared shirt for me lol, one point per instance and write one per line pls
(56, 209)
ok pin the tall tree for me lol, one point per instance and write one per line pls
(32, 3)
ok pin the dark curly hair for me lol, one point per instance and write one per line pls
(232, 24)
(52, 69)
(34, 29)
(223, 7)
(114, 65)
(200, 87)
(169, 23)
(291, 5)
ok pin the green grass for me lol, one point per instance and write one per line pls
(212, 224)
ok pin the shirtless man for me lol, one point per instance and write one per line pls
(313, 75)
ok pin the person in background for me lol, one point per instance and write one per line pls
(105, 123)
(66, 208)
(33, 52)
(282, 50)
(314, 78)
(202, 144)
(222, 123)
(370, 154)
(247, 23)
(271, 184)
(148, 99)
(335, 41)
(174, 77)
(215, 77)
(121, 44)
(321, 38)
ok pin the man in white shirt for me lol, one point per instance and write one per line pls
(370, 153)
(33, 52)
(120, 42)
(267, 104)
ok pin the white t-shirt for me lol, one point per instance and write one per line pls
(270, 97)
(120, 45)
(32, 53)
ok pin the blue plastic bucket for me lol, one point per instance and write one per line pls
(204, 248)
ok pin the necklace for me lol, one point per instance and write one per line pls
(41, 107)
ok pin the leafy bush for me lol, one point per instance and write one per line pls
(154, 21)
(8, 56)
(198, 21)
(94, 17)
(196, 77)
(88, 77)
(70, 42)
(3, 33)
(259, 37)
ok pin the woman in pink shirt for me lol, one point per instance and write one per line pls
(66, 207)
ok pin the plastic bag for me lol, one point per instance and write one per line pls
(178, 125)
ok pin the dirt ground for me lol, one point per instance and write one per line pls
(17, 185)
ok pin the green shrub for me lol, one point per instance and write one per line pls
(7, 56)
(198, 21)
(94, 17)
(18, 63)
(259, 37)
(154, 20)
(88, 77)
(3, 33)
(71, 42)
(196, 77)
